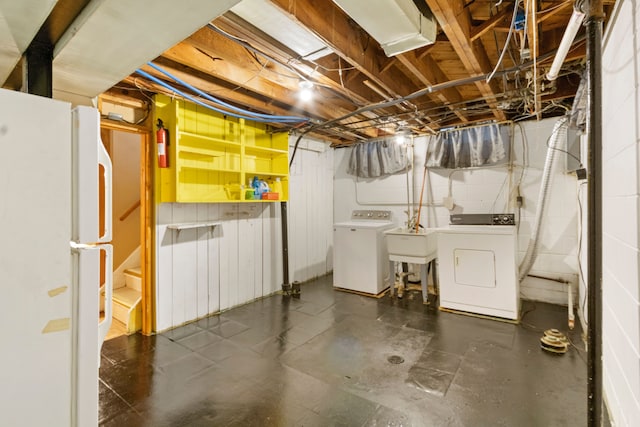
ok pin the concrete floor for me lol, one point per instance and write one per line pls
(324, 360)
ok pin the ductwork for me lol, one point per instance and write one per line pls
(559, 134)
(398, 25)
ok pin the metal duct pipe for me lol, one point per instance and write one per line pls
(559, 133)
(594, 190)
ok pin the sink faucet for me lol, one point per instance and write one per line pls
(411, 220)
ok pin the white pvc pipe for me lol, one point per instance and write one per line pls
(572, 320)
(569, 34)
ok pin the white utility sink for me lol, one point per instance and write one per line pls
(408, 246)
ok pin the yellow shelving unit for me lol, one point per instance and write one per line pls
(213, 158)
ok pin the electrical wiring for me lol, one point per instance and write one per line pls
(248, 46)
(287, 64)
(197, 101)
(284, 119)
(506, 44)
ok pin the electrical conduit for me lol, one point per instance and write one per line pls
(559, 134)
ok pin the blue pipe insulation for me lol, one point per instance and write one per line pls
(223, 103)
(197, 101)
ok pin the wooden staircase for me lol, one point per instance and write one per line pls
(127, 301)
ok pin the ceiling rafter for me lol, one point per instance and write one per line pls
(490, 24)
(429, 73)
(455, 21)
(229, 61)
(329, 22)
(351, 94)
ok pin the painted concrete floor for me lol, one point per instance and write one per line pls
(324, 360)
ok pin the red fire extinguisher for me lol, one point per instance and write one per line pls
(162, 138)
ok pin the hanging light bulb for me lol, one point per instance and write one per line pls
(401, 135)
(306, 90)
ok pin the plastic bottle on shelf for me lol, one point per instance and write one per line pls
(276, 187)
(255, 184)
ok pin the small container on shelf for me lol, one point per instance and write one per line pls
(269, 195)
(249, 193)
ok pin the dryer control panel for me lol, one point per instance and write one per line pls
(483, 219)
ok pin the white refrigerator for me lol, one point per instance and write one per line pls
(51, 164)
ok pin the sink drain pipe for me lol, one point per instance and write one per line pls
(559, 134)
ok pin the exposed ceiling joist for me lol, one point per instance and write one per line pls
(456, 23)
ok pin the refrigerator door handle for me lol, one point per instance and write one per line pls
(103, 327)
(105, 161)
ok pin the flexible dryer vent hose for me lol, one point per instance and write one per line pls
(559, 134)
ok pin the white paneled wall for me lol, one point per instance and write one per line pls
(203, 271)
(621, 215)
(484, 190)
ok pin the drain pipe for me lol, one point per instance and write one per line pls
(571, 319)
(286, 287)
(559, 134)
(594, 189)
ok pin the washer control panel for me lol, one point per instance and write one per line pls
(371, 215)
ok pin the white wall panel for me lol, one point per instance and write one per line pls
(213, 259)
(311, 213)
(199, 272)
(621, 241)
(164, 266)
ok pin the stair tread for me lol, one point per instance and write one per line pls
(135, 271)
(126, 296)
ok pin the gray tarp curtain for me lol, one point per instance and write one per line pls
(378, 158)
(470, 147)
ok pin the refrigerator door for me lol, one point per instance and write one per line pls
(37, 290)
(90, 158)
(89, 333)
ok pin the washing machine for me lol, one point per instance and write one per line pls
(477, 258)
(360, 260)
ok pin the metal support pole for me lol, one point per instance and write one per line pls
(286, 287)
(38, 66)
(594, 128)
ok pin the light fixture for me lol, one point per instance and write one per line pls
(398, 25)
(402, 135)
(306, 90)
(274, 22)
(565, 44)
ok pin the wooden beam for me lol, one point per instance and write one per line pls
(543, 15)
(344, 37)
(337, 30)
(489, 24)
(456, 23)
(236, 27)
(429, 73)
(531, 11)
(200, 57)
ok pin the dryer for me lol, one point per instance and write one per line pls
(478, 265)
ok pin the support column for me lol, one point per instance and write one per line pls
(594, 20)
(38, 65)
